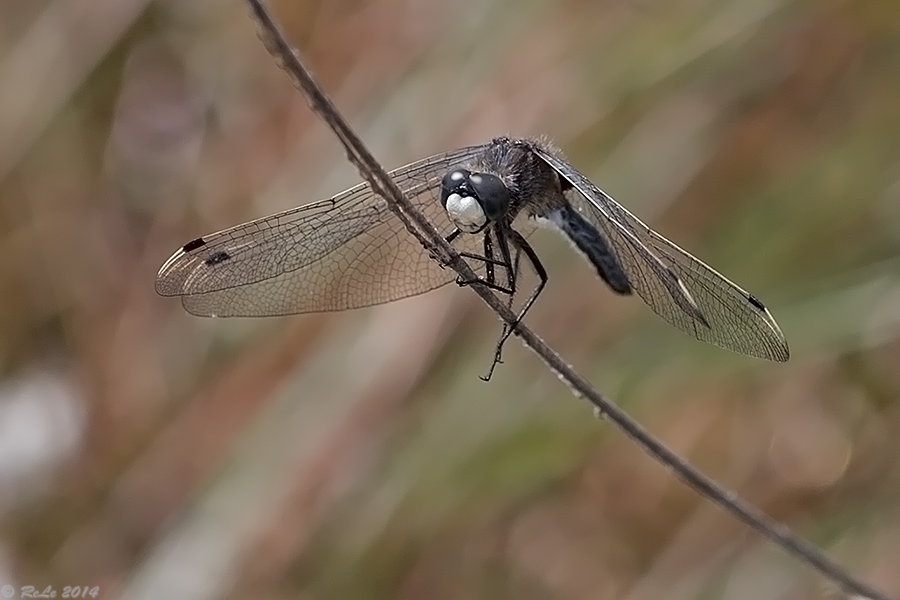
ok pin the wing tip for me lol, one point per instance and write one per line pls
(784, 352)
(165, 284)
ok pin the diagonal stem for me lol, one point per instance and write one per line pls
(357, 153)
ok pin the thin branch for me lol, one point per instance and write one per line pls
(288, 59)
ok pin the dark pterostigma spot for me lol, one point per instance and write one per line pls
(194, 244)
(756, 302)
(217, 258)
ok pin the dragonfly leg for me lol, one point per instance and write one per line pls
(490, 263)
(521, 246)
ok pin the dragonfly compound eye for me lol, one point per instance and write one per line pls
(461, 203)
(454, 182)
(492, 194)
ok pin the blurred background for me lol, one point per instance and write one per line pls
(153, 454)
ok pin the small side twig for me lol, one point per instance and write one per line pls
(357, 153)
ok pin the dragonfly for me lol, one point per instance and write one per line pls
(352, 251)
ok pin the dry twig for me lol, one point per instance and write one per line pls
(443, 252)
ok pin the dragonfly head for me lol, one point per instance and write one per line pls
(472, 200)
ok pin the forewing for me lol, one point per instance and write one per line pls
(346, 252)
(735, 319)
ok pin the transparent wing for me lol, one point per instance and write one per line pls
(346, 252)
(735, 319)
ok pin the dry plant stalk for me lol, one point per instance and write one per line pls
(441, 250)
